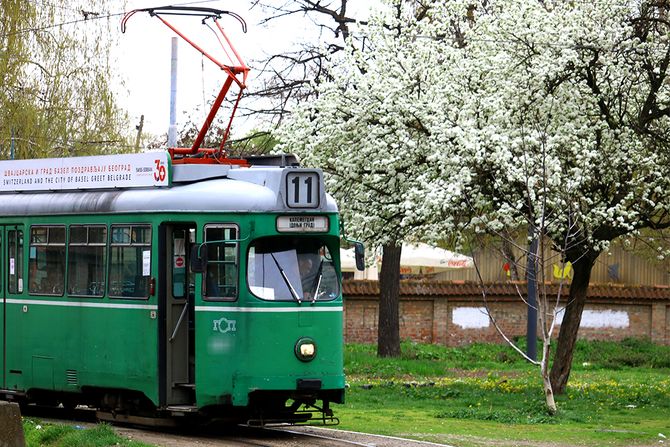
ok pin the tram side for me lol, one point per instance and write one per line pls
(79, 312)
(100, 305)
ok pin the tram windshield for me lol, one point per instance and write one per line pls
(292, 269)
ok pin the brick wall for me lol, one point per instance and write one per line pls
(454, 314)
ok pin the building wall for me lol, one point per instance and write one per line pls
(455, 314)
(615, 266)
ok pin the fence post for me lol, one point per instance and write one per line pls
(11, 427)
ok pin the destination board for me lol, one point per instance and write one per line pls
(302, 224)
(149, 169)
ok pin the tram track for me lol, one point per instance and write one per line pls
(323, 440)
(235, 436)
(241, 436)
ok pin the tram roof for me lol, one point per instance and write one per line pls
(236, 190)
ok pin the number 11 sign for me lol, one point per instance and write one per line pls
(303, 189)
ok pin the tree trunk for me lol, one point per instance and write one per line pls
(388, 335)
(546, 381)
(567, 337)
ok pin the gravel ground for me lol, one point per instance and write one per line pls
(290, 436)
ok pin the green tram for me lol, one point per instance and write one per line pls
(147, 288)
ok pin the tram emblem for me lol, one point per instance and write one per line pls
(224, 325)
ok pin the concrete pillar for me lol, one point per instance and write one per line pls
(440, 320)
(11, 427)
(658, 322)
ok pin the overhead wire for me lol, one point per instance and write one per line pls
(88, 18)
(91, 15)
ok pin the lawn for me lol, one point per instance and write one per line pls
(618, 395)
(40, 434)
(482, 395)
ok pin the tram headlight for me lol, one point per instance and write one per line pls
(305, 349)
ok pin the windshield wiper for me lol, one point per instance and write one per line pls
(319, 276)
(286, 280)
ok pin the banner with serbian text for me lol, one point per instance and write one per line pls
(149, 169)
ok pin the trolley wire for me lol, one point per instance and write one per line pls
(89, 16)
(92, 15)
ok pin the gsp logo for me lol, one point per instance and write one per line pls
(224, 325)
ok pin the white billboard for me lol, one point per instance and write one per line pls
(149, 169)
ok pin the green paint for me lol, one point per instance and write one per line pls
(73, 344)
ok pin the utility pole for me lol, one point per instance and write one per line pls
(172, 130)
(11, 146)
(531, 281)
(139, 133)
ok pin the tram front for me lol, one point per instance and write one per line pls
(276, 354)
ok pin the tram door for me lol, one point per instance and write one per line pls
(11, 282)
(3, 303)
(177, 302)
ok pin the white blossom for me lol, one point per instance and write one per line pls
(529, 112)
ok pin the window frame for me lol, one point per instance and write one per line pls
(15, 252)
(32, 244)
(105, 266)
(112, 244)
(236, 242)
(188, 286)
(324, 243)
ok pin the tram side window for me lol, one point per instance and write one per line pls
(86, 260)
(221, 275)
(130, 261)
(47, 260)
(15, 264)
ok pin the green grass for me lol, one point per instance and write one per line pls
(435, 360)
(481, 395)
(618, 395)
(39, 434)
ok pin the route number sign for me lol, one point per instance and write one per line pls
(303, 189)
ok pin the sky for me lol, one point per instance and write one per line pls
(144, 55)
(144, 59)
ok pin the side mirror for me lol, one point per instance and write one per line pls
(359, 254)
(198, 258)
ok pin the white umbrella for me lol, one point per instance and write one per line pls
(425, 259)
(348, 263)
(418, 258)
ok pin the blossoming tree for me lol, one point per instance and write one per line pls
(576, 95)
(366, 130)
(482, 113)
